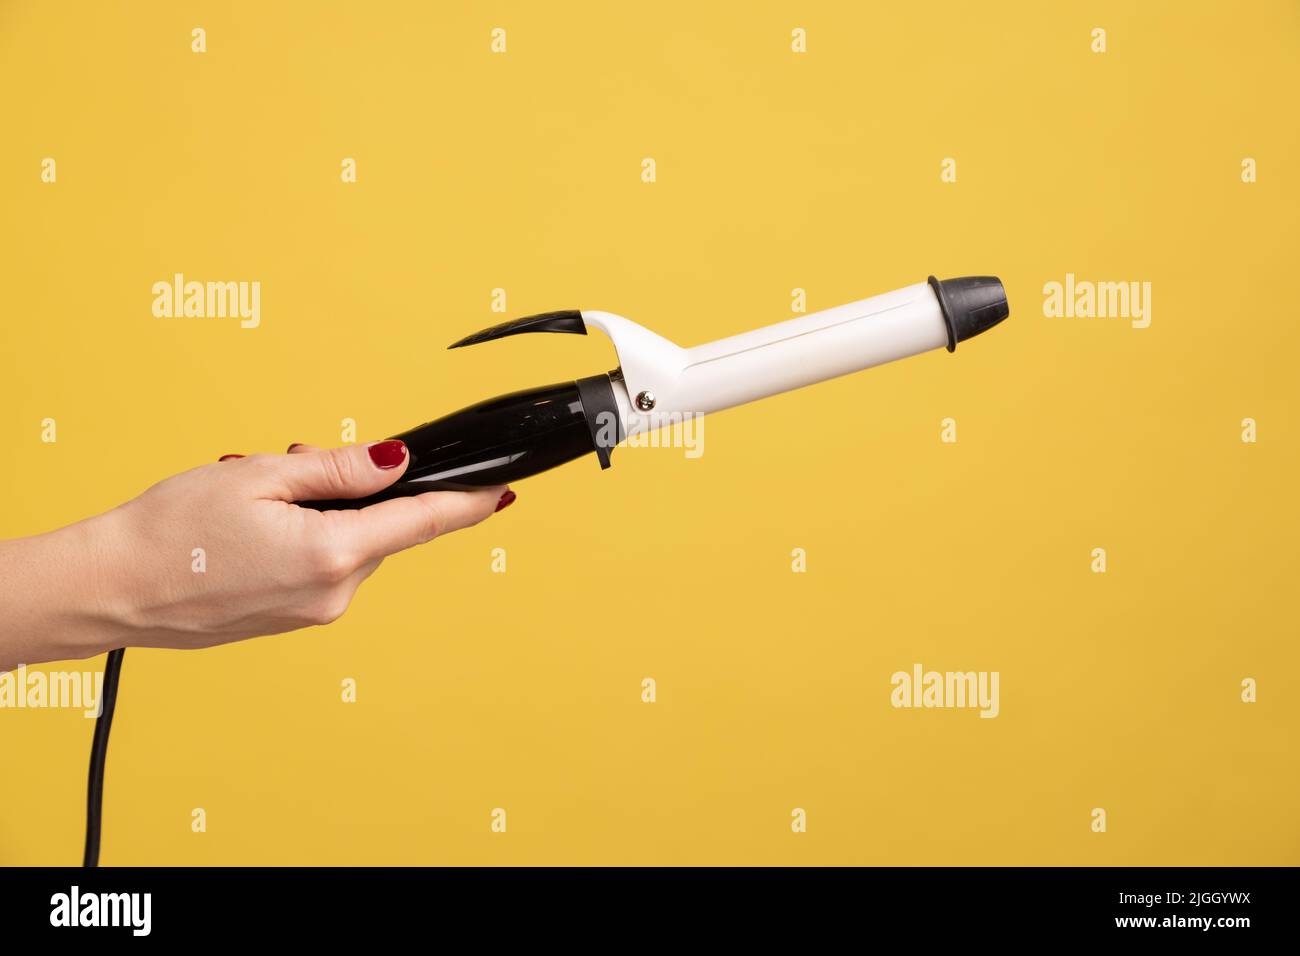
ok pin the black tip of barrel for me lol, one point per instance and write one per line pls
(970, 305)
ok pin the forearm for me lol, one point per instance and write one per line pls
(53, 594)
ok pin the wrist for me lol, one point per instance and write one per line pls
(59, 604)
(91, 611)
(104, 607)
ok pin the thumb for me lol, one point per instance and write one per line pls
(352, 471)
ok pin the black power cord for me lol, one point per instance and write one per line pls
(98, 753)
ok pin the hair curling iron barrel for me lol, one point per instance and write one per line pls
(513, 436)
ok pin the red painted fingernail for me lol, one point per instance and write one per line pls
(506, 500)
(296, 444)
(388, 454)
(229, 457)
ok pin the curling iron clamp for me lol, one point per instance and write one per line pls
(513, 436)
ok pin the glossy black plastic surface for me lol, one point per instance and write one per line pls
(568, 320)
(494, 442)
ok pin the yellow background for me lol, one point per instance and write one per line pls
(775, 171)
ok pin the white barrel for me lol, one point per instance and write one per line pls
(810, 348)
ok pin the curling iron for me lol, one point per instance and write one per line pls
(513, 436)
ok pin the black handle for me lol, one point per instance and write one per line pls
(503, 439)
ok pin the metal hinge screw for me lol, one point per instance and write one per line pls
(645, 400)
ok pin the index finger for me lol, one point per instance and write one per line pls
(379, 530)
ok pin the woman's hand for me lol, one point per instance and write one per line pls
(219, 554)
